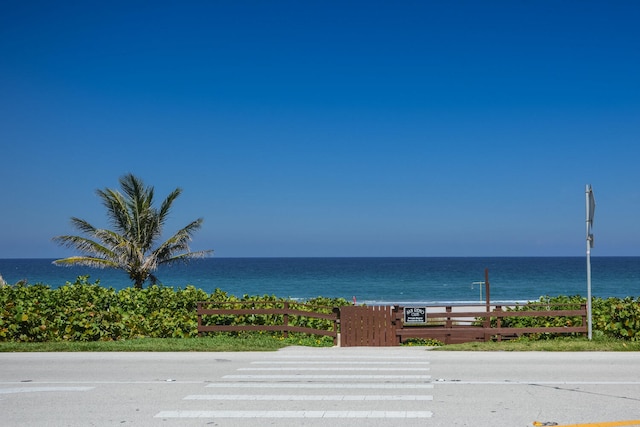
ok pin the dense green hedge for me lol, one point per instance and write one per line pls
(612, 317)
(84, 311)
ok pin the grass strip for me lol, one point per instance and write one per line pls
(214, 343)
(555, 344)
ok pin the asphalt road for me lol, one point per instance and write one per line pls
(395, 386)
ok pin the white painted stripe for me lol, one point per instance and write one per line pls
(41, 389)
(333, 362)
(346, 368)
(339, 357)
(328, 377)
(297, 397)
(105, 382)
(337, 386)
(510, 382)
(294, 414)
(342, 385)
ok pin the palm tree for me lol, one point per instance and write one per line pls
(137, 225)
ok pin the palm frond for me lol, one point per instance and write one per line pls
(110, 238)
(83, 226)
(184, 257)
(165, 207)
(178, 242)
(116, 209)
(86, 261)
(84, 245)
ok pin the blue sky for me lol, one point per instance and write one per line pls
(325, 128)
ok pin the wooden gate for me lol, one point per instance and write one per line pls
(368, 326)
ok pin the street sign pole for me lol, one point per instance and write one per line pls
(590, 208)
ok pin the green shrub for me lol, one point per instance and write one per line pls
(612, 317)
(84, 311)
(617, 318)
(428, 342)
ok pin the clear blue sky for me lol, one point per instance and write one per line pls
(327, 128)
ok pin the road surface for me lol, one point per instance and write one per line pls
(298, 386)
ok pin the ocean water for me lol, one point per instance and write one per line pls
(370, 280)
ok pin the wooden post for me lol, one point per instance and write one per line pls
(499, 320)
(198, 308)
(584, 316)
(486, 289)
(285, 319)
(336, 321)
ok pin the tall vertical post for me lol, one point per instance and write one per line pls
(486, 289)
(589, 209)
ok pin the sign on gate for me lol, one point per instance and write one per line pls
(413, 315)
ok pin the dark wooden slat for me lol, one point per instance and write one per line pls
(205, 309)
(383, 325)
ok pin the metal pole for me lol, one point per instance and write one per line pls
(486, 285)
(589, 321)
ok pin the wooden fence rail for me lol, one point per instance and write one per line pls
(452, 327)
(443, 323)
(281, 317)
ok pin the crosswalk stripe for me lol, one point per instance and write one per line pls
(347, 368)
(332, 385)
(328, 377)
(333, 362)
(294, 414)
(297, 397)
(347, 357)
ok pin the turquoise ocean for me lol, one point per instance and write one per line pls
(370, 280)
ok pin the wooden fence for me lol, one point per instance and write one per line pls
(385, 326)
(283, 316)
(449, 326)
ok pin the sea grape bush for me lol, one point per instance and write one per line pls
(618, 318)
(84, 311)
(612, 317)
(545, 303)
(320, 305)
